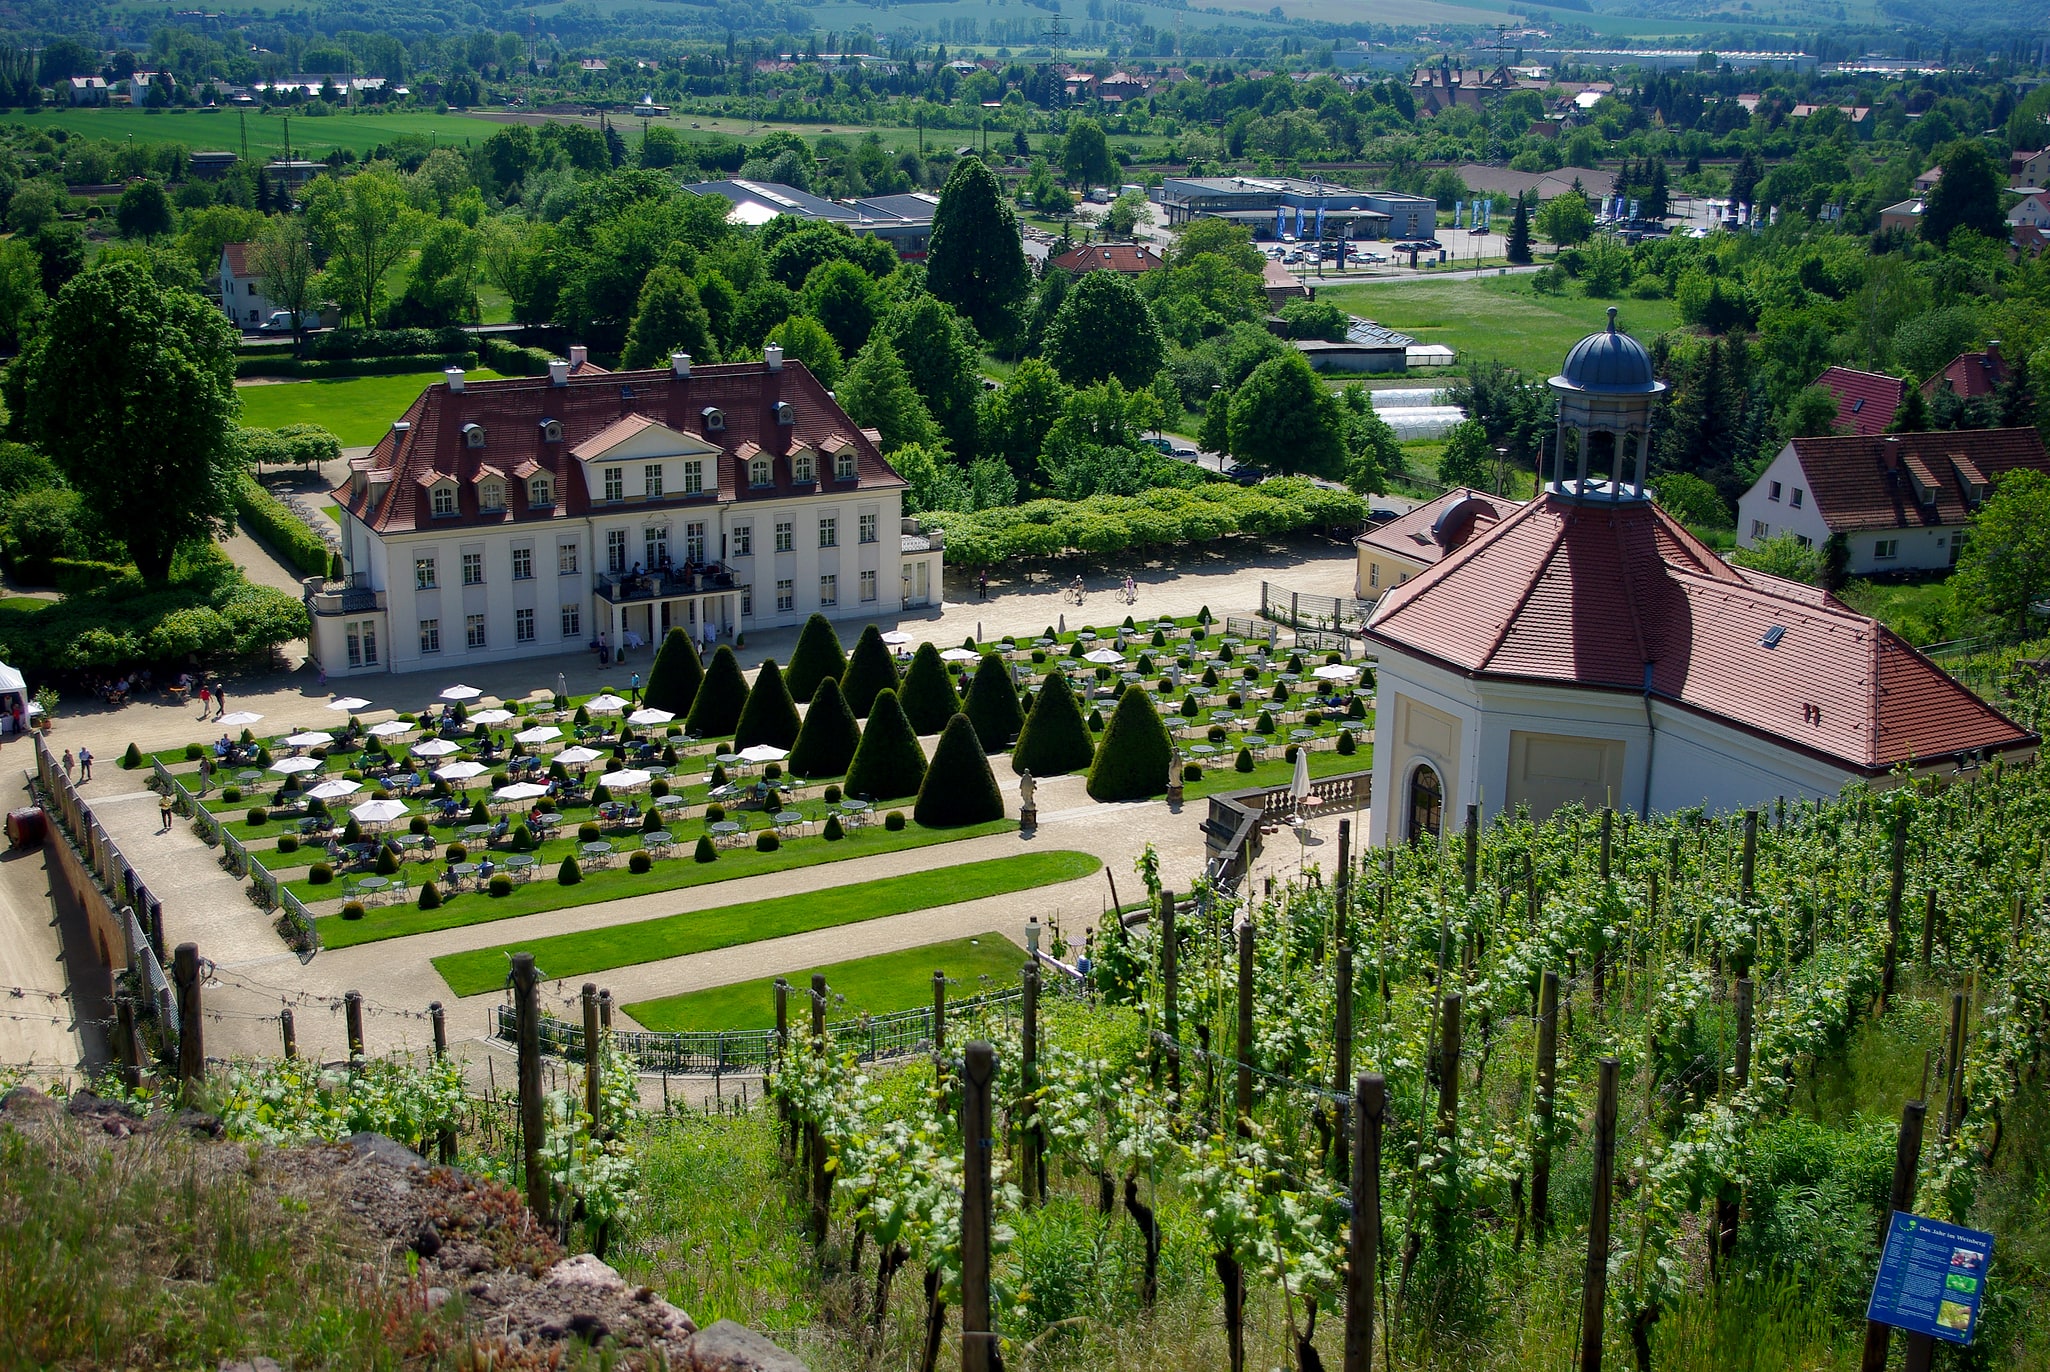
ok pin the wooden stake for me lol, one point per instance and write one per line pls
(1907, 1152)
(1471, 864)
(1341, 1050)
(1547, 1081)
(1170, 978)
(1896, 880)
(939, 1028)
(290, 1032)
(352, 1005)
(1595, 1285)
(445, 1139)
(592, 1051)
(191, 1033)
(1744, 993)
(978, 1343)
(1363, 1257)
(1243, 1109)
(533, 1119)
(815, 1142)
(1028, 1085)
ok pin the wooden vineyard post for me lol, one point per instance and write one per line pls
(605, 1010)
(533, 1120)
(1896, 878)
(125, 1042)
(1027, 1104)
(1470, 867)
(1928, 926)
(939, 1028)
(1750, 868)
(1954, 1064)
(1170, 1007)
(352, 1005)
(977, 1342)
(1363, 1253)
(1608, 841)
(290, 1032)
(1744, 992)
(191, 1033)
(782, 1051)
(445, 1139)
(1342, 904)
(1907, 1153)
(1449, 1033)
(814, 1137)
(592, 1052)
(1242, 1109)
(1341, 1052)
(1594, 1290)
(1547, 1080)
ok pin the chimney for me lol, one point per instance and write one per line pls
(772, 353)
(558, 372)
(1890, 453)
(679, 363)
(454, 377)
(1993, 357)
(578, 355)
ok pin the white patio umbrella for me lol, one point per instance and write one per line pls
(1104, 656)
(763, 752)
(1299, 784)
(379, 811)
(461, 771)
(288, 765)
(392, 728)
(312, 739)
(540, 733)
(461, 693)
(1336, 671)
(627, 779)
(607, 704)
(491, 716)
(334, 790)
(239, 717)
(578, 756)
(347, 703)
(896, 638)
(518, 791)
(960, 655)
(650, 715)
(436, 747)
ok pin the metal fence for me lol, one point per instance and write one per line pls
(1324, 641)
(1302, 610)
(265, 888)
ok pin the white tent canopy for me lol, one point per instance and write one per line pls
(12, 681)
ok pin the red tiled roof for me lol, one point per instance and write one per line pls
(1971, 375)
(1411, 536)
(597, 410)
(238, 259)
(1129, 258)
(1865, 401)
(1622, 598)
(1871, 483)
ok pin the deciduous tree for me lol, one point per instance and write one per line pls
(1102, 330)
(1284, 420)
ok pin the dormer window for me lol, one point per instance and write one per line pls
(784, 413)
(491, 495)
(444, 499)
(714, 417)
(843, 464)
(540, 492)
(801, 468)
(473, 435)
(551, 431)
(759, 472)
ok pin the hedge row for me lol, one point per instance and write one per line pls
(359, 343)
(312, 369)
(1106, 525)
(511, 359)
(261, 513)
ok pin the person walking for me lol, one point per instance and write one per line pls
(220, 698)
(85, 763)
(206, 773)
(164, 813)
(67, 764)
(982, 582)
(633, 690)
(206, 697)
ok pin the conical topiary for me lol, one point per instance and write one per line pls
(828, 737)
(992, 705)
(673, 680)
(869, 669)
(1136, 754)
(927, 694)
(1054, 739)
(959, 788)
(888, 763)
(769, 716)
(818, 655)
(722, 695)
(569, 874)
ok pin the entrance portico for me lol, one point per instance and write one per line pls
(652, 604)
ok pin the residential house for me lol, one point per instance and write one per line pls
(1445, 86)
(903, 221)
(1926, 182)
(2033, 211)
(1970, 376)
(242, 297)
(1865, 401)
(535, 515)
(1902, 502)
(1905, 215)
(1126, 259)
(86, 90)
(1412, 543)
(1121, 85)
(2028, 170)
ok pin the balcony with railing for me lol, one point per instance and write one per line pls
(665, 582)
(353, 595)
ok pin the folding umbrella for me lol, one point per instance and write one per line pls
(239, 717)
(1336, 671)
(1105, 656)
(627, 779)
(392, 728)
(649, 715)
(288, 765)
(607, 704)
(334, 790)
(461, 693)
(1299, 784)
(540, 733)
(896, 638)
(519, 790)
(313, 739)
(461, 771)
(960, 655)
(380, 811)
(347, 703)
(491, 716)
(578, 756)
(763, 752)
(436, 747)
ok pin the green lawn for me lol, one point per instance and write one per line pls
(358, 409)
(1922, 612)
(224, 130)
(617, 883)
(1276, 772)
(697, 931)
(24, 605)
(874, 986)
(1498, 318)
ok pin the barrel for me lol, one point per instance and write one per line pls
(25, 827)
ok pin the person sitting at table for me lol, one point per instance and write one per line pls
(500, 829)
(484, 870)
(222, 746)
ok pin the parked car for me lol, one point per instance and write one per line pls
(1244, 475)
(1431, 245)
(1182, 451)
(1377, 518)
(280, 321)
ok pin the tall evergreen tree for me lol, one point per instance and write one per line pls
(817, 656)
(888, 763)
(974, 260)
(1055, 738)
(959, 787)
(1518, 249)
(870, 669)
(1912, 415)
(827, 739)
(673, 680)
(1968, 196)
(992, 705)
(769, 716)
(927, 694)
(722, 695)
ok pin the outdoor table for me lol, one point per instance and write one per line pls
(249, 778)
(1202, 750)
(520, 866)
(408, 842)
(656, 770)
(1043, 642)
(724, 830)
(460, 872)
(1085, 636)
(726, 759)
(1302, 735)
(1221, 716)
(477, 833)
(788, 819)
(547, 819)
(657, 840)
(596, 854)
(371, 886)
(669, 802)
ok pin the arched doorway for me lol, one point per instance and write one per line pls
(1426, 803)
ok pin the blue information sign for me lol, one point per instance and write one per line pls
(1932, 1277)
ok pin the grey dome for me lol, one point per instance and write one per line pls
(1610, 362)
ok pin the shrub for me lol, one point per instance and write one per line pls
(1216, 733)
(1038, 658)
(887, 763)
(320, 875)
(1136, 757)
(833, 832)
(417, 824)
(1224, 652)
(263, 514)
(231, 795)
(1244, 761)
(773, 772)
(569, 874)
(992, 705)
(832, 795)
(1159, 639)
(387, 862)
(767, 842)
(1188, 707)
(769, 716)
(288, 843)
(1192, 774)
(458, 852)
(193, 752)
(522, 838)
(501, 884)
(430, 897)
(714, 813)
(601, 794)
(638, 863)
(588, 832)
(478, 814)
(1295, 663)
(828, 737)
(132, 758)
(1280, 691)
(870, 671)
(817, 656)
(1288, 753)
(1234, 700)
(1356, 708)
(894, 821)
(1347, 746)
(1055, 739)
(721, 696)
(717, 776)
(1265, 724)
(1210, 676)
(258, 816)
(959, 787)
(1249, 672)
(352, 909)
(927, 696)
(705, 852)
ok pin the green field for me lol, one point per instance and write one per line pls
(865, 986)
(313, 137)
(1498, 318)
(698, 931)
(358, 409)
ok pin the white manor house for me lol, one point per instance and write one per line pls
(537, 515)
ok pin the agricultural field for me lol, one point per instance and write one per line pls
(1497, 319)
(312, 137)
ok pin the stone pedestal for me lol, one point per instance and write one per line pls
(1028, 817)
(1174, 793)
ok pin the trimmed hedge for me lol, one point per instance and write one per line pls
(510, 358)
(888, 762)
(927, 694)
(1136, 758)
(361, 343)
(769, 716)
(1055, 739)
(818, 655)
(264, 515)
(992, 705)
(959, 787)
(721, 697)
(312, 369)
(870, 669)
(674, 678)
(828, 737)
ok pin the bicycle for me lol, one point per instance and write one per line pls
(1128, 593)
(1073, 595)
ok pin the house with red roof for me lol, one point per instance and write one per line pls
(1407, 545)
(1586, 649)
(1970, 376)
(535, 515)
(1865, 401)
(1902, 502)
(1127, 259)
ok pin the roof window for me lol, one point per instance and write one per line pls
(785, 414)
(473, 435)
(714, 417)
(551, 431)
(1773, 636)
